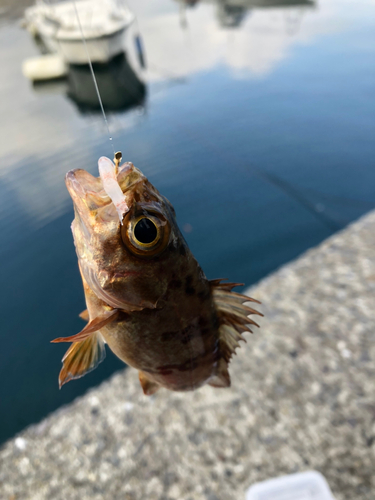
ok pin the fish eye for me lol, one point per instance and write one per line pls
(145, 231)
(146, 234)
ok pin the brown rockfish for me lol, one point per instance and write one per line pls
(146, 295)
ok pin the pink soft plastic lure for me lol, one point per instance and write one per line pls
(108, 175)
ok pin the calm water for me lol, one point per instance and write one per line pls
(257, 123)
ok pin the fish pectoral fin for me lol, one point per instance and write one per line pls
(84, 315)
(221, 377)
(149, 386)
(81, 358)
(233, 316)
(91, 327)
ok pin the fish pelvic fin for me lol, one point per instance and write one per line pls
(149, 386)
(233, 316)
(93, 326)
(82, 357)
(221, 377)
(84, 315)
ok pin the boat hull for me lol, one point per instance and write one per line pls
(59, 29)
(101, 49)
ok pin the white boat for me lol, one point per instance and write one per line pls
(103, 23)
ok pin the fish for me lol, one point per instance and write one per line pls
(147, 297)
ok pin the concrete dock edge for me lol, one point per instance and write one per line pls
(302, 398)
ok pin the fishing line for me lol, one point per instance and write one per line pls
(93, 76)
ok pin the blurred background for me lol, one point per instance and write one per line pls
(254, 117)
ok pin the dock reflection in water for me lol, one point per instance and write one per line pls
(120, 87)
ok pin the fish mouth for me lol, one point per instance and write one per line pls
(87, 191)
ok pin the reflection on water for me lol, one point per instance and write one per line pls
(254, 48)
(119, 86)
(264, 150)
(232, 13)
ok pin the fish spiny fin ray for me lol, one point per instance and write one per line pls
(81, 358)
(149, 386)
(93, 326)
(234, 319)
(221, 377)
(84, 315)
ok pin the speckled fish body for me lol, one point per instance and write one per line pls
(146, 295)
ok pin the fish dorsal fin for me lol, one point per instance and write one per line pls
(93, 326)
(233, 316)
(82, 357)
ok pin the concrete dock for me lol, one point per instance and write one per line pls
(302, 398)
